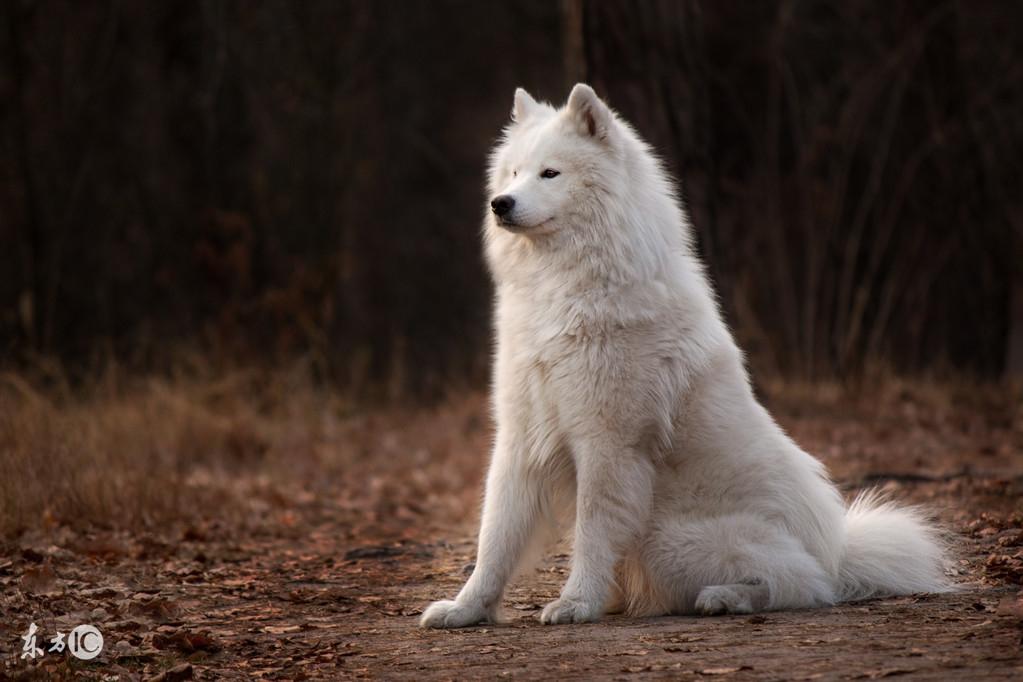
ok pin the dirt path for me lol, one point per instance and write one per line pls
(329, 586)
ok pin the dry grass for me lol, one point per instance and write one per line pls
(116, 454)
(130, 453)
(136, 453)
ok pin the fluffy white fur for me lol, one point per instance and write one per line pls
(623, 406)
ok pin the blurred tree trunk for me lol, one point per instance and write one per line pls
(29, 246)
(1014, 344)
(573, 47)
(650, 60)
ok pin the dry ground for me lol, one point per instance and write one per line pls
(242, 529)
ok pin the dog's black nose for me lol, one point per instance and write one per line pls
(502, 204)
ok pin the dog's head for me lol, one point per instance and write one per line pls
(552, 162)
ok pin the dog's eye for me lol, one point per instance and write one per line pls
(550, 173)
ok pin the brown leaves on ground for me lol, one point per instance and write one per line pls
(1005, 568)
(1002, 534)
(314, 558)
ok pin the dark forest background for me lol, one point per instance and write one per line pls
(260, 181)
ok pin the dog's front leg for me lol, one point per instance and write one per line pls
(510, 516)
(614, 491)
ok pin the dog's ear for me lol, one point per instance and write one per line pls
(524, 105)
(592, 117)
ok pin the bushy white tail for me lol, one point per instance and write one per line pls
(889, 550)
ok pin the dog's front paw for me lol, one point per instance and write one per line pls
(452, 614)
(570, 611)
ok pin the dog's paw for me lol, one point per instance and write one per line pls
(717, 599)
(452, 614)
(570, 611)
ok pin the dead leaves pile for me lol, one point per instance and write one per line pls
(1003, 535)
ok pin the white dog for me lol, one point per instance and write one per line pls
(622, 403)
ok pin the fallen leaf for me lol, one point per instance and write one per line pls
(159, 609)
(32, 555)
(1011, 606)
(186, 642)
(890, 672)
(39, 580)
(723, 671)
(281, 629)
(175, 674)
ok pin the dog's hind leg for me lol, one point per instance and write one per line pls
(733, 564)
(736, 598)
